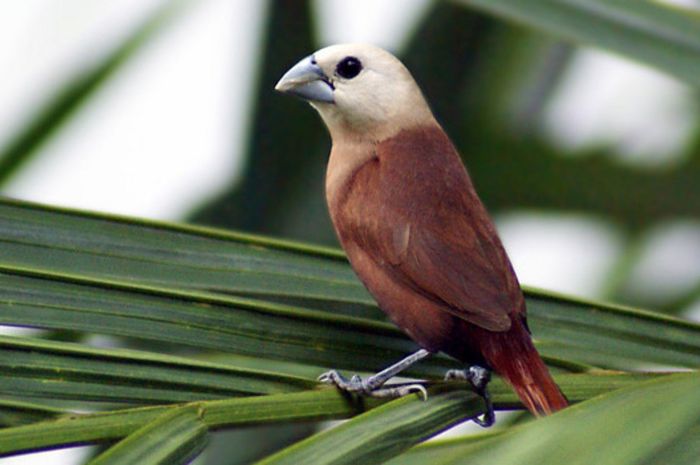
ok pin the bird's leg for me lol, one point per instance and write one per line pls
(479, 378)
(372, 385)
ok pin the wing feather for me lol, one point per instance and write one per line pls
(433, 234)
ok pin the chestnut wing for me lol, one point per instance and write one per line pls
(435, 235)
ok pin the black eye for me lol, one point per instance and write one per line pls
(348, 68)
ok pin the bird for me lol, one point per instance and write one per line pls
(414, 230)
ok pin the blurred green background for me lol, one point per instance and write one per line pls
(589, 162)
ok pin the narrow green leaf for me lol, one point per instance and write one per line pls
(444, 451)
(173, 438)
(610, 335)
(662, 36)
(62, 269)
(80, 429)
(320, 404)
(387, 431)
(13, 412)
(683, 450)
(76, 430)
(34, 367)
(163, 254)
(664, 413)
(565, 328)
(228, 324)
(375, 436)
(68, 99)
(40, 368)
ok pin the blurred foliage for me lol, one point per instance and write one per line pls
(660, 35)
(286, 153)
(67, 99)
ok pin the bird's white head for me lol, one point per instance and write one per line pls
(361, 91)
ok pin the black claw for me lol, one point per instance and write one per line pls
(479, 378)
(489, 417)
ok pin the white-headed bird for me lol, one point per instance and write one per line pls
(415, 231)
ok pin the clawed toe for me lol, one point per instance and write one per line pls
(366, 387)
(400, 391)
(355, 384)
(331, 377)
(489, 417)
(373, 385)
(479, 378)
(456, 375)
(417, 388)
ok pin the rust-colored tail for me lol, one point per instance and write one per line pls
(513, 356)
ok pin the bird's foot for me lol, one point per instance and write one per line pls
(371, 386)
(479, 378)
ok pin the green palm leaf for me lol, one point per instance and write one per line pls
(76, 271)
(320, 404)
(163, 308)
(173, 438)
(383, 433)
(614, 429)
(663, 36)
(35, 367)
(14, 412)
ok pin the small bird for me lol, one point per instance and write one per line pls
(415, 231)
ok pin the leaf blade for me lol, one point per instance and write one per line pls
(581, 434)
(662, 36)
(104, 257)
(382, 433)
(34, 367)
(173, 438)
(320, 404)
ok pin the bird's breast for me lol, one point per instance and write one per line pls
(345, 160)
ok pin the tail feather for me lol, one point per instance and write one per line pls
(534, 385)
(515, 358)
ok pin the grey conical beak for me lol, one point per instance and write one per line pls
(308, 81)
